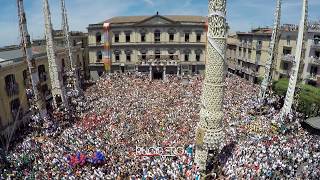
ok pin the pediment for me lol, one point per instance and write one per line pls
(156, 20)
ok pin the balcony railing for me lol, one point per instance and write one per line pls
(288, 58)
(12, 89)
(258, 46)
(313, 77)
(315, 60)
(316, 43)
(164, 59)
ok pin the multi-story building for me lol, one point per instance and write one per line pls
(15, 78)
(247, 53)
(309, 70)
(151, 44)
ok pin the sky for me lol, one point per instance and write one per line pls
(242, 15)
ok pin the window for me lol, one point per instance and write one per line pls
(317, 54)
(186, 37)
(99, 56)
(198, 37)
(198, 57)
(157, 36)
(143, 56)
(116, 38)
(15, 106)
(11, 85)
(288, 40)
(316, 39)
(74, 42)
(128, 57)
(25, 77)
(286, 51)
(117, 57)
(171, 56)
(157, 54)
(285, 66)
(127, 37)
(314, 70)
(143, 38)
(98, 37)
(42, 73)
(186, 57)
(171, 37)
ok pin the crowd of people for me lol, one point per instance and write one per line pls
(124, 111)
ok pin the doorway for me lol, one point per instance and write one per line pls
(157, 74)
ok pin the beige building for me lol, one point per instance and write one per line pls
(310, 69)
(15, 78)
(247, 53)
(150, 44)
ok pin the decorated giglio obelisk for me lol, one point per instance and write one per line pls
(286, 109)
(209, 133)
(275, 32)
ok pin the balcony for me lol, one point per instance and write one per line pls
(287, 58)
(315, 43)
(313, 77)
(12, 89)
(258, 47)
(164, 59)
(315, 60)
(245, 45)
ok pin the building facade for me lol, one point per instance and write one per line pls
(15, 78)
(150, 44)
(247, 53)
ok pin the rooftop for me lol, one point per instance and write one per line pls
(137, 19)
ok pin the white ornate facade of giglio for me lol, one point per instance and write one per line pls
(295, 68)
(273, 44)
(210, 135)
(58, 92)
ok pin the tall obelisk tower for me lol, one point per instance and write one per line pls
(58, 91)
(275, 32)
(210, 135)
(295, 68)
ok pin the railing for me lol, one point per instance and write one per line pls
(313, 77)
(288, 57)
(12, 89)
(258, 46)
(162, 57)
(315, 60)
(316, 43)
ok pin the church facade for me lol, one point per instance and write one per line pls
(150, 44)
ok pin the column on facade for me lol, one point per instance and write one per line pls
(150, 72)
(164, 72)
(178, 69)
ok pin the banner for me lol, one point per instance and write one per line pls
(107, 44)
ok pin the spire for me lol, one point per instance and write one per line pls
(209, 133)
(37, 99)
(73, 72)
(295, 68)
(267, 76)
(57, 89)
